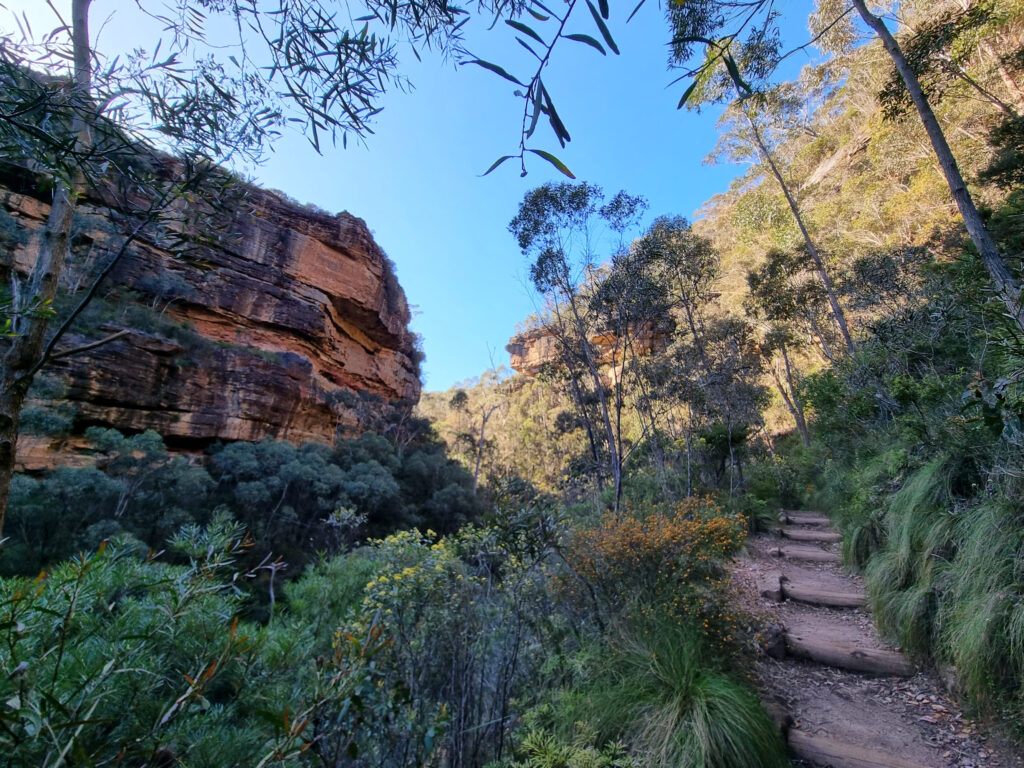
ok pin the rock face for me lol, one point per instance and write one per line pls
(274, 319)
(531, 350)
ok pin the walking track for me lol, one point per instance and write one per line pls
(841, 696)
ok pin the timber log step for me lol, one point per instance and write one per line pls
(799, 534)
(806, 554)
(832, 653)
(807, 518)
(825, 729)
(823, 749)
(816, 594)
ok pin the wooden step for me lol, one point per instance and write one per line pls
(827, 750)
(806, 518)
(806, 554)
(799, 534)
(817, 594)
(833, 653)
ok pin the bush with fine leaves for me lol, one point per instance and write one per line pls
(115, 659)
(293, 500)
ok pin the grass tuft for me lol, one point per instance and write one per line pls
(676, 711)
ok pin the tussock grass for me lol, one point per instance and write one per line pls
(981, 619)
(945, 574)
(903, 577)
(854, 504)
(678, 712)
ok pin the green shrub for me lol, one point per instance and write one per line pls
(113, 659)
(920, 435)
(329, 592)
(471, 618)
(981, 614)
(540, 749)
(288, 497)
(110, 658)
(52, 421)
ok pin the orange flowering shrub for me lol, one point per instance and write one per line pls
(668, 561)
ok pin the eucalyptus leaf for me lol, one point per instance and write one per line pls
(687, 94)
(526, 30)
(638, 7)
(495, 69)
(496, 163)
(588, 40)
(555, 121)
(554, 161)
(734, 73)
(603, 27)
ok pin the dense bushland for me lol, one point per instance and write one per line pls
(916, 451)
(920, 434)
(294, 501)
(561, 598)
(910, 431)
(488, 645)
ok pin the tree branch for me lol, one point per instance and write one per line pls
(94, 288)
(86, 347)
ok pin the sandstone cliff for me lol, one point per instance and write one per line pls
(532, 349)
(276, 318)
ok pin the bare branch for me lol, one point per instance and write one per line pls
(86, 347)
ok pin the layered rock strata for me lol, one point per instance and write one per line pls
(280, 310)
(531, 350)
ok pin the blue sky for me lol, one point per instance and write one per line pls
(417, 181)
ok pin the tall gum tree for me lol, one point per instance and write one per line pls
(26, 348)
(710, 34)
(559, 227)
(741, 72)
(764, 152)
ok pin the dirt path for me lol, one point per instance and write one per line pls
(842, 696)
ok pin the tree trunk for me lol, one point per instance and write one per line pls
(788, 397)
(826, 348)
(1005, 283)
(833, 300)
(485, 415)
(619, 403)
(12, 396)
(959, 72)
(698, 341)
(577, 396)
(1012, 86)
(801, 420)
(16, 368)
(689, 462)
(614, 462)
(644, 410)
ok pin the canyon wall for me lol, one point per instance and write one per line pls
(254, 331)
